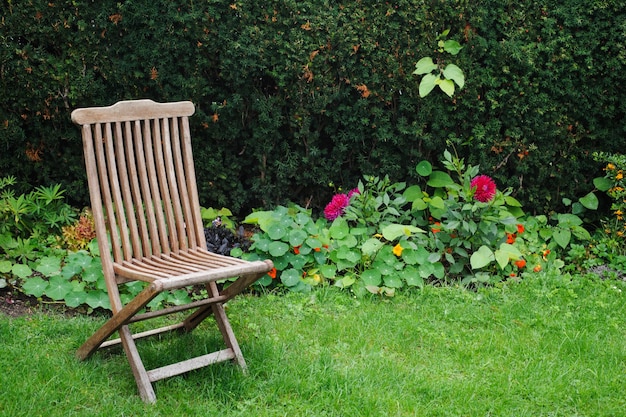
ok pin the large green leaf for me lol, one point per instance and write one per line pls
(482, 257)
(424, 66)
(447, 86)
(371, 246)
(452, 47)
(371, 277)
(562, 236)
(21, 271)
(439, 179)
(339, 228)
(5, 266)
(602, 183)
(290, 277)
(454, 73)
(297, 237)
(590, 201)
(392, 232)
(429, 81)
(505, 253)
(424, 168)
(75, 298)
(59, 287)
(98, 299)
(49, 265)
(35, 286)
(278, 248)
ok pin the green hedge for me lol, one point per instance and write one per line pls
(296, 98)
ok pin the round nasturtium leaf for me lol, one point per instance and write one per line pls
(424, 168)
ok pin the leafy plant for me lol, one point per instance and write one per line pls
(385, 236)
(439, 73)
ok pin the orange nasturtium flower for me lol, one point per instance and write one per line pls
(510, 238)
(397, 250)
(272, 273)
(537, 268)
(296, 250)
(436, 229)
(520, 263)
(520, 229)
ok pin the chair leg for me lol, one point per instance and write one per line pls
(146, 391)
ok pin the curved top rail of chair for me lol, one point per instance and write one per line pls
(125, 111)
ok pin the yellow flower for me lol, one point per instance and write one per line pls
(619, 175)
(610, 167)
(397, 250)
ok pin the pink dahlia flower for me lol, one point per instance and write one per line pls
(353, 192)
(485, 188)
(337, 206)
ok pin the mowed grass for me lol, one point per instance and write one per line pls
(547, 346)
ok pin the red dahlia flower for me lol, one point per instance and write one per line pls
(485, 188)
(337, 206)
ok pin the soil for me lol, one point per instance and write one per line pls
(16, 305)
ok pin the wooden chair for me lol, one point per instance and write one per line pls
(145, 204)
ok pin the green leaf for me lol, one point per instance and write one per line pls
(98, 299)
(276, 231)
(452, 47)
(5, 266)
(482, 257)
(339, 228)
(49, 265)
(59, 287)
(371, 277)
(568, 220)
(454, 73)
(290, 277)
(590, 201)
(412, 277)
(371, 246)
(505, 253)
(393, 281)
(393, 231)
(75, 298)
(424, 168)
(427, 84)
(179, 297)
(278, 248)
(93, 273)
(328, 271)
(439, 179)
(510, 201)
(21, 271)
(447, 86)
(437, 203)
(82, 259)
(602, 183)
(562, 236)
(35, 286)
(424, 66)
(297, 237)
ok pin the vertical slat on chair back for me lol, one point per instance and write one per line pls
(141, 176)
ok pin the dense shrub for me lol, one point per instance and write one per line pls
(295, 95)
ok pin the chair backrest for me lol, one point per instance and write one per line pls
(141, 177)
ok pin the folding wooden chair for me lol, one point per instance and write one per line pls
(145, 204)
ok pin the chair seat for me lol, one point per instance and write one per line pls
(187, 267)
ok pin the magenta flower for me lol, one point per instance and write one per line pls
(337, 206)
(353, 192)
(485, 188)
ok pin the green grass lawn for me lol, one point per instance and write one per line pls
(542, 347)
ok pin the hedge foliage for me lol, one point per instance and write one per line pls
(298, 97)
